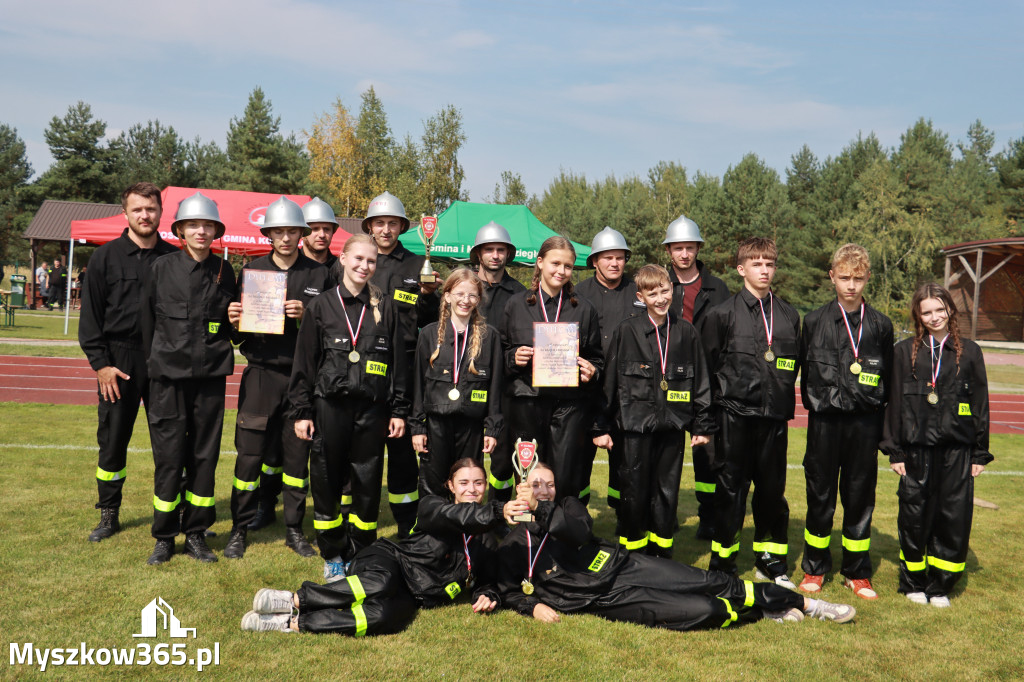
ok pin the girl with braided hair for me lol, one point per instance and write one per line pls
(936, 437)
(456, 383)
(557, 418)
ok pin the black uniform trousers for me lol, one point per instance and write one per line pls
(403, 475)
(751, 450)
(652, 465)
(561, 429)
(501, 480)
(348, 448)
(614, 464)
(117, 422)
(449, 439)
(704, 480)
(842, 453)
(666, 594)
(373, 600)
(934, 522)
(269, 453)
(186, 420)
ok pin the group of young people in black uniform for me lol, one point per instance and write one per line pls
(375, 358)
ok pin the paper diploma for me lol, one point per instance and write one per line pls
(556, 345)
(263, 296)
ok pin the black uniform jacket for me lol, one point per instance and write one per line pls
(826, 383)
(398, 276)
(479, 394)
(742, 381)
(497, 295)
(959, 418)
(612, 305)
(633, 397)
(712, 292)
(184, 317)
(573, 568)
(307, 279)
(433, 556)
(517, 330)
(322, 366)
(111, 296)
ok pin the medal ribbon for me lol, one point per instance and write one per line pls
(662, 354)
(849, 330)
(457, 358)
(558, 311)
(465, 545)
(533, 557)
(768, 327)
(936, 367)
(354, 334)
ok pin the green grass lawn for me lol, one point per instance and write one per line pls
(60, 590)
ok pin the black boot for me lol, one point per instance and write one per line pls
(235, 549)
(196, 547)
(265, 516)
(162, 553)
(109, 524)
(295, 540)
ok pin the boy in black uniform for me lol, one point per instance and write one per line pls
(614, 298)
(694, 292)
(846, 356)
(322, 225)
(264, 437)
(492, 251)
(655, 390)
(751, 343)
(108, 332)
(398, 276)
(187, 337)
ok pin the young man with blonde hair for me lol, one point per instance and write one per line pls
(846, 352)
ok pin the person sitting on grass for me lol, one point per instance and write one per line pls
(449, 550)
(555, 565)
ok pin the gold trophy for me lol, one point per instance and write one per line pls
(524, 459)
(428, 233)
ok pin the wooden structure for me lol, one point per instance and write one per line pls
(986, 279)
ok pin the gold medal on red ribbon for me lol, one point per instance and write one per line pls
(933, 398)
(769, 355)
(453, 394)
(855, 368)
(353, 357)
(527, 587)
(664, 385)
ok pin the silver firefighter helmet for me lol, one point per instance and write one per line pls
(492, 233)
(319, 211)
(385, 204)
(284, 213)
(607, 240)
(682, 229)
(198, 207)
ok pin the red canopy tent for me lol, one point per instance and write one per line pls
(241, 212)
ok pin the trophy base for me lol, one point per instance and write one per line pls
(427, 279)
(523, 518)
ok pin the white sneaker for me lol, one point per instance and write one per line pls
(837, 613)
(793, 615)
(273, 601)
(782, 580)
(917, 597)
(266, 622)
(334, 570)
(940, 602)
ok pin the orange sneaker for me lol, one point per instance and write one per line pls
(812, 583)
(861, 587)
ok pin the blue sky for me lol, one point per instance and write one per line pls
(595, 87)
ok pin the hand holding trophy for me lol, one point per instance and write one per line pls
(524, 459)
(428, 233)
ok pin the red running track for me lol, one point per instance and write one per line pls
(70, 381)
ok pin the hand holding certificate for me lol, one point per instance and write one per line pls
(263, 297)
(556, 347)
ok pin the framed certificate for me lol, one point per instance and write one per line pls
(263, 296)
(556, 345)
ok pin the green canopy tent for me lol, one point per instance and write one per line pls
(458, 224)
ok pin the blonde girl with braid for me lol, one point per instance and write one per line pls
(936, 436)
(457, 384)
(349, 392)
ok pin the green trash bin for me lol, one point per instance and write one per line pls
(17, 291)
